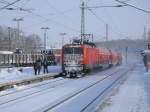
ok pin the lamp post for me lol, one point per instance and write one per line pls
(106, 32)
(18, 20)
(45, 31)
(126, 54)
(63, 34)
(9, 37)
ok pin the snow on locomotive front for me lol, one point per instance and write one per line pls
(72, 59)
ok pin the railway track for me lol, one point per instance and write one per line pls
(102, 93)
(49, 85)
(89, 105)
(54, 107)
(52, 88)
(31, 90)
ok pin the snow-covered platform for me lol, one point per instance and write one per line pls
(132, 95)
(13, 74)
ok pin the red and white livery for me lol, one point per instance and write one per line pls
(80, 58)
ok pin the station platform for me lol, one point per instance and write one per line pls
(132, 95)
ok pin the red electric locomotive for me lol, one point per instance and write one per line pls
(80, 58)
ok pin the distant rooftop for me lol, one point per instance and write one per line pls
(6, 52)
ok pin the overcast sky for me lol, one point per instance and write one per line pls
(65, 16)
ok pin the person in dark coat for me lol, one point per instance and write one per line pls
(45, 65)
(35, 67)
(39, 64)
(146, 60)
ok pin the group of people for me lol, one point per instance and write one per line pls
(38, 65)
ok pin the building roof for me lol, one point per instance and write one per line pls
(6, 52)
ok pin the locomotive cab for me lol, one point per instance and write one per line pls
(72, 60)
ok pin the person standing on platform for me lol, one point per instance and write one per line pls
(35, 67)
(145, 61)
(45, 66)
(39, 64)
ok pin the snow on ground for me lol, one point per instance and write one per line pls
(58, 92)
(12, 74)
(146, 79)
(132, 96)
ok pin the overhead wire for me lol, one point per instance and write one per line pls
(24, 4)
(94, 14)
(48, 19)
(118, 32)
(2, 1)
(57, 23)
(97, 17)
(133, 6)
(101, 20)
(63, 25)
(12, 3)
(20, 8)
(59, 12)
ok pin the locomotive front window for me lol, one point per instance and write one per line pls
(73, 50)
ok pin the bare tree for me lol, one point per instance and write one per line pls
(32, 43)
(8, 37)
